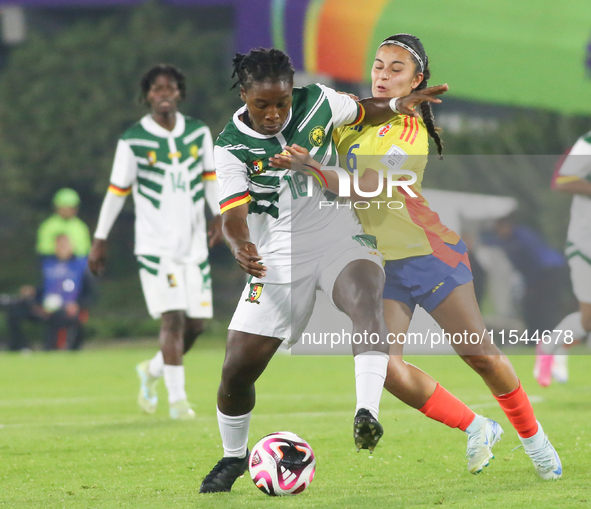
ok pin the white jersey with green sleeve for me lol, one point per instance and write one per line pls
(287, 223)
(167, 172)
(577, 165)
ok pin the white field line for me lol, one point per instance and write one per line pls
(59, 401)
(291, 415)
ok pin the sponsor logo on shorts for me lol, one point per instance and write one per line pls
(437, 287)
(255, 292)
(317, 136)
(171, 280)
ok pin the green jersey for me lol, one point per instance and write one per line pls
(168, 172)
(286, 218)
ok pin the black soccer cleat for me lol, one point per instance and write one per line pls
(224, 474)
(367, 431)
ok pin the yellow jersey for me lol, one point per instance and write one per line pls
(413, 229)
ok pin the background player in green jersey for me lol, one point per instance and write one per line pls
(166, 159)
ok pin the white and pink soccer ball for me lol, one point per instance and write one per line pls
(282, 464)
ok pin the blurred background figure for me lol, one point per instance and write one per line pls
(572, 178)
(171, 234)
(64, 221)
(60, 303)
(543, 270)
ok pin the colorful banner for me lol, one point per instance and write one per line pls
(529, 53)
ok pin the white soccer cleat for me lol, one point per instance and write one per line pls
(147, 398)
(480, 444)
(182, 411)
(560, 368)
(543, 455)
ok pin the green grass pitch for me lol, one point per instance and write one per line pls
(72, 436)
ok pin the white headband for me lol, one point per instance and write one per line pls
(407, 48)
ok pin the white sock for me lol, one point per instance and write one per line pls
(572, 323)
(370, 373)
(234, 432)
(475, 424)
(156, 365)
(534, 442)
(174, 379)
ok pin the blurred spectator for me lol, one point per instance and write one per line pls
(64, 222)
(61, 303)
(543, 269)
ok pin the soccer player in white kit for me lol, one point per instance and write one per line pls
(166, 161)
(281, 235)
(574, 177)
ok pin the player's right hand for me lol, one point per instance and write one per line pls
(98, 256)
(249, 260)
(407, 104)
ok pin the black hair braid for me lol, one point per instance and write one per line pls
(261, 64)
(426, 111)
(428, 117)
(150, 76)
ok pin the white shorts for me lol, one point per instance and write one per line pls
(283, 310)
(580, 275)
(174, 286)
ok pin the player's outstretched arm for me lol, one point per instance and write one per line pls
(237, 234)
(578, 186)
(299, 159)
(378, 109)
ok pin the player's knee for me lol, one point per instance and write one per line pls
(365, 300)
(173, 323)
(237, 376)
(481, 363)
(194, 328)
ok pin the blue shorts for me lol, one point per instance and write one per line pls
(427, 280)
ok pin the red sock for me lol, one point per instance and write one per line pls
(519, 411)
(444, 407)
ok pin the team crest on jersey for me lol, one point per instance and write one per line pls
(317, 136)
(152, 157)
(194, 151)
(255, 292)
(171, 280)
(383, 130)
(257, 167)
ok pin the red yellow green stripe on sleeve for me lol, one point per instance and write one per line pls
(119, 191)
(360, 115)
(234, 201)
(209, 175)
(565, 179)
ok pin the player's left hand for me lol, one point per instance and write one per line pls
(214, 231)
(407, 104)
(294, 158)
(72, 309)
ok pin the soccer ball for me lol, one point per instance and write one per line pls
(282, 464)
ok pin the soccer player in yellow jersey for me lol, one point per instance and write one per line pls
(426, 262)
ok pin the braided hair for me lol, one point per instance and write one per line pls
(426, 111)
(261, 64)
(150, 76)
